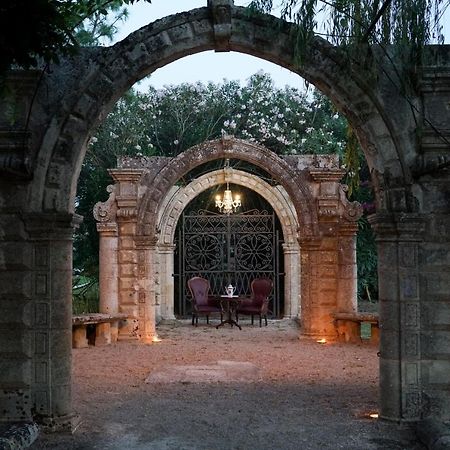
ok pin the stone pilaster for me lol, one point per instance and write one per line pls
(347, 268)
(50, 325)
(399, 238)
(292, 282)
(146, 249)
(318, 286)
(109, 272)
(166, 281)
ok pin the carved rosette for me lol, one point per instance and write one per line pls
(106, 211)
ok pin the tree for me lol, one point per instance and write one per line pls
(43, 30)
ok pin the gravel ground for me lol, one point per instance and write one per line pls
(291, 393)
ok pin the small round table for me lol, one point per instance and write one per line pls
(229, 305)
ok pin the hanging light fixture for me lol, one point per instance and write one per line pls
(227, 204)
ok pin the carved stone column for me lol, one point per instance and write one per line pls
(166, 281)
(105, 214)
(292, 283)
(347, 268)
(109, 272)
(50, 236)
(126, 200)
(398, 238)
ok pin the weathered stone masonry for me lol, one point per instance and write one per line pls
(405, 141)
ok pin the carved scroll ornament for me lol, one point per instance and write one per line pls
(106, 211)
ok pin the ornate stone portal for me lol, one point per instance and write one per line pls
(319, 250)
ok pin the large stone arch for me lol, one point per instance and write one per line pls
(405, 142)
(179, 197)
(97, 78)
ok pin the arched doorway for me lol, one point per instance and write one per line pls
(229, 248)
(170, 214)
(39, 208)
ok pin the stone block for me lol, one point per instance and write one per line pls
(126, 243)
(390, 398)
(434, 256)
(437, 401)
(128, 297)
(435, 284)
(15, 256)
(127, 228)
(388, 284)
(389, 314)
(103, 334)
(15, 283)
(328, 257)
(15, 310)
(61, 401)
(435, 314)
(15, 369)
(15, 404)
(127, 284)
(439, 372)
(127, 270)
(127, 256)
(325, 271)
(409, 288)
(79, 337)
(389, 344)
(435, 344)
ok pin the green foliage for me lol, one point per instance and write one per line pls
(85, 295)
(36, 30)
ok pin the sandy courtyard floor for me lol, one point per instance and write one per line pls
(207, 389)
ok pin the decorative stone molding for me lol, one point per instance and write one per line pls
(106, 211)
(14, 159)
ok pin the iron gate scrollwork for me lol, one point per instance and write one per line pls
(225, 249)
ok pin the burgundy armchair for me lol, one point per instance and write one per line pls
(258, 303)
(202, 302)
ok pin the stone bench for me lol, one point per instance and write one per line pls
(348, 326)
(104, 323)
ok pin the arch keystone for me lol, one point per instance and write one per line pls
(221, 17)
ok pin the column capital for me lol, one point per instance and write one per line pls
(167, 248)
(398, 226)
(107, 228)
(146, 242)
(51, 226)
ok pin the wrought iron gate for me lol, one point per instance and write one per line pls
(234, 248)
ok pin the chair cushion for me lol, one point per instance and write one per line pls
(207, 308)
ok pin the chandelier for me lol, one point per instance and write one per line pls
(227, 204)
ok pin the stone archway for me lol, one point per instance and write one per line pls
(405, 142)
(140, 217)
(179, 197)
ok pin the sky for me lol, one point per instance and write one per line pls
(208, 66)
